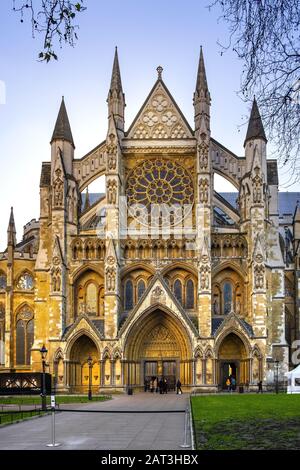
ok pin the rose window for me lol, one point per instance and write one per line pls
(160, 182)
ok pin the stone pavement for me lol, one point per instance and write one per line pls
(107, 431)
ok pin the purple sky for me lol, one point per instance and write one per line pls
(147, 34)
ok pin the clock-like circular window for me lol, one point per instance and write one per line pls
(160, 182)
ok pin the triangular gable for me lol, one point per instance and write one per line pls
(158, 294)
(160, 117)
(232, 321)
(82, 323)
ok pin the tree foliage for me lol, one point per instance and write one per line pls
(53, 19)
(265, 34)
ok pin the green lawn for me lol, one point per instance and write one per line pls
(60, 399)
(246, 421)
(20, 416)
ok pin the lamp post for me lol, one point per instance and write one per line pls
(44, 352)
(90, 364)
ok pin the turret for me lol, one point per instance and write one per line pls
(116, 97)
(201, 99)
(255, 142)
(62, 138)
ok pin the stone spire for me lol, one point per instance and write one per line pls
(11, 230)
(116, 82)
(201, 83)
(201, 98)
(255, 126)
(116, 97)
(62, 129)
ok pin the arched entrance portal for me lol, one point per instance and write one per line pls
(82, 348)
(233, 360)
(157, 346)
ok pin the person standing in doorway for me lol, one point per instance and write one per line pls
(228, 384)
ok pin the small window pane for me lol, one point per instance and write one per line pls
(178, 291)
(25, 282)
(227, 297)
(20, 342)
(190, 302)
(141, 289)
(2, 281)
(30, 338)
(128, 295)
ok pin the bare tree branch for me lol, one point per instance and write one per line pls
(54, 19)
(265, 34)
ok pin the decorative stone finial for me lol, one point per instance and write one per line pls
(159, 72)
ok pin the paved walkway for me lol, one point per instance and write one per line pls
(107, 431)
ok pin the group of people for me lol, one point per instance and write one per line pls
(162, 386)
(231, 385)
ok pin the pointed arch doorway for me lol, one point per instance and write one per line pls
(157, 346)
(233, 360)
(81, 349)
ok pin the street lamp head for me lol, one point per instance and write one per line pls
(43, 351)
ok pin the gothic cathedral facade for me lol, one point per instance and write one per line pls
(160, 275)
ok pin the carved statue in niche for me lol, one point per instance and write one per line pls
(111, 192)
(203, 190)
(216, 306)
(259, 271)
(58, 189)
(112, 152)
(204, 277)
(111, 279)
(257, 186)
(203, 150)
(56, 280)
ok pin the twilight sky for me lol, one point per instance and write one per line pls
(148, 34)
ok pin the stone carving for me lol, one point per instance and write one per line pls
(203, 190)
(58, 189)
(159, 102)
(25, 313)
(111, 191)
(203, 150)
(204, 277)
(56, 279)
(111, 152)
(257, 187)
(111, 279)
(158, 295)
(259, 271)
(160, 119)
(216, 306)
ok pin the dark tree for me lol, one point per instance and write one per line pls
(265, 34)
(53, 19)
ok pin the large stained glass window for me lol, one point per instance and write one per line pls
(128, 295)
(160, 182)
(227, 298)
